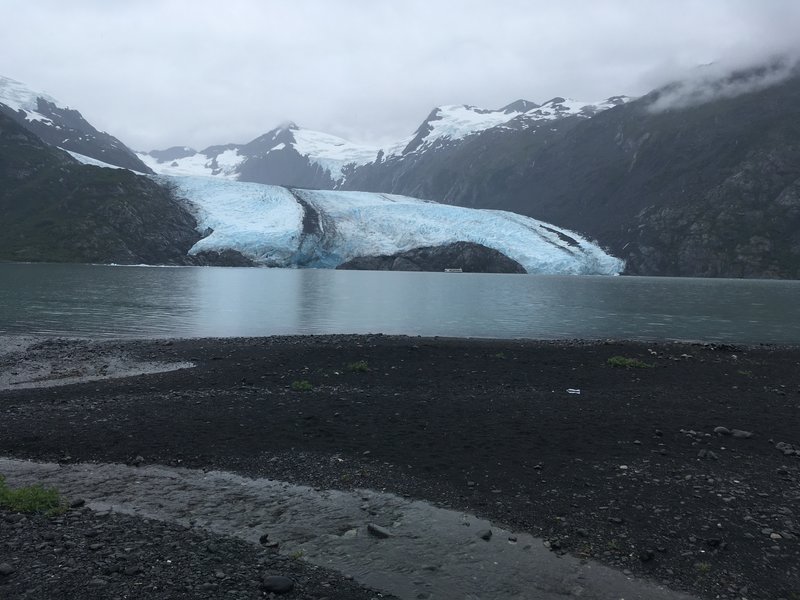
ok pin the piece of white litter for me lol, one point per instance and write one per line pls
(573, 391)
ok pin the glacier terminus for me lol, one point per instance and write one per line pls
(286, 227)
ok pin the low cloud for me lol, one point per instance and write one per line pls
(718, 81)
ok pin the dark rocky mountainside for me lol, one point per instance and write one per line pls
(282, 166)
(705, 190)
(467, 171)
(66, 128)
(54, 209)
(467, 256)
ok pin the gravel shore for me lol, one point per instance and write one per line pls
(683, 468)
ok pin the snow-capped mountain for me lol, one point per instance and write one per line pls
(63, 127)
(286, 227)
(451, 124)
(293, 156)
(286, 155)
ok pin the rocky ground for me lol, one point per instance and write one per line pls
(684, 469)
(83, 554)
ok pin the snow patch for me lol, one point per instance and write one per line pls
(226, 165)
(88, 160)
(17, 96)
(330, 152)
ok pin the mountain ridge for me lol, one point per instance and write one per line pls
(294, 156)
(63, 127)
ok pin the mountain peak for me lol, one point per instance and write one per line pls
(19, 97)
(63, 127)
(519, 106)
(287, 126)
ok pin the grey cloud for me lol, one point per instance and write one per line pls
(716, 81)
(163, 72)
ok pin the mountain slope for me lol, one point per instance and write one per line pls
(462, 143)
(63, 127)
(54, 209)
(287, 155)
(293, 156)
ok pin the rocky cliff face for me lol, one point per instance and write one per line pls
(54, 209)
(467, 256)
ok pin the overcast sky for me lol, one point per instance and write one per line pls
(157, 73)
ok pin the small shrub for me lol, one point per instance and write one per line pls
(302, 385)
(702, 567)
(622, 362)
(31, 499)
(360, 366)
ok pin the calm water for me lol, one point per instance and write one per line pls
(102, 301)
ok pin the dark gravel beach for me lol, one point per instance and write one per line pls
(683, 468)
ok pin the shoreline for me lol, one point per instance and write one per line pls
(485, 426)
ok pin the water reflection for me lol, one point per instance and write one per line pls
(102, 301)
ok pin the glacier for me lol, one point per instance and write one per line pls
(286, 227)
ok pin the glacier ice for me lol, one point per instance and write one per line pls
(282, 227)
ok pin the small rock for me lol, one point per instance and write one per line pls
(709, 454)
(263, 539)
(96, 547)
(77, 503)
(277, 584)
(646, 555)
(485, 534)
(722, 430)
(6, 569)
(741, 433)
(378, 531)
(616, 520)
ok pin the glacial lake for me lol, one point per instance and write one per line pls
(135, 302)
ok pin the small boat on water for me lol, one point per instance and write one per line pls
(453, 271)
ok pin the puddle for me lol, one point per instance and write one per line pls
(429, 553)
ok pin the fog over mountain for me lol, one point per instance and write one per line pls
(160, 74)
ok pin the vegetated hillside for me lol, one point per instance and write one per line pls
(705, 190)
(54, 209)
